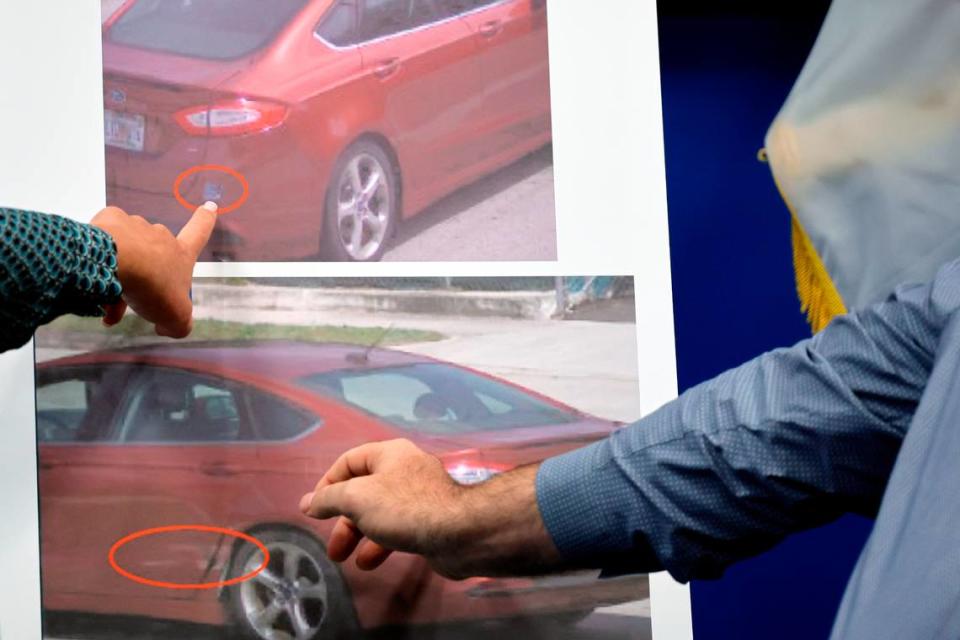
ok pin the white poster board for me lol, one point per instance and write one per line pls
(610, 201)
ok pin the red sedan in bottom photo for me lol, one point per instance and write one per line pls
(229, 436)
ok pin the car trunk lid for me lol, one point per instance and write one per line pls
(162, 59)
(143, 92)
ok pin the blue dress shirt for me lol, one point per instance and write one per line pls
(788, 441)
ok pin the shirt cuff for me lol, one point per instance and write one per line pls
(583, 496)
(570, 504)
(91, 272)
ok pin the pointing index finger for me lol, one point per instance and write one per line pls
(196, 233)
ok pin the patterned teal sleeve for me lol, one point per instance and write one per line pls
(51, 266)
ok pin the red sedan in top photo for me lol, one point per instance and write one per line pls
(330, 120)
(230, 435)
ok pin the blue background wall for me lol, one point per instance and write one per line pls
(726, 69)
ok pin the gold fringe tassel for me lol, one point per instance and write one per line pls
(819, 298)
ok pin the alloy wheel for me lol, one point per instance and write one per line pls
(363, 206)
(288, 600)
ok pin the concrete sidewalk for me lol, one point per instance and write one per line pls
(433, 302)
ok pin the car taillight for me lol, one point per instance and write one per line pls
(236, 117)
(466, 473)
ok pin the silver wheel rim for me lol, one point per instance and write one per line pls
(363, 205)
(288, 599)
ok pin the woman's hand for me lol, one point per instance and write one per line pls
(156, 268)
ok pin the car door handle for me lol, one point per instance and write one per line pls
(490, 29)
(387, 68)
(217, 470)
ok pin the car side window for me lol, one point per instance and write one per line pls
(381, 18)
(175, 407)
(76, 405)
(339, 25)
(423, 12)
(276, 420)
(437, 398)
(451, 8)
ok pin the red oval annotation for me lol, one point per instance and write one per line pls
(189, 206)
(136, 535)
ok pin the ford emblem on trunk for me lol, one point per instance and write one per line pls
(118, 96)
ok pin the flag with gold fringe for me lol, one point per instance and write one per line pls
(866, 153)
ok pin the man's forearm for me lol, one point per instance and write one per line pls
(790, 440)
(787, 441)
(503, 532)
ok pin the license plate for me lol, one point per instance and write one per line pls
(124, 130)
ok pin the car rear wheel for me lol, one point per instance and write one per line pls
(362, 205)
(299, 596)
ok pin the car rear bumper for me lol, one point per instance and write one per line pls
(280, 220)
(253, 233)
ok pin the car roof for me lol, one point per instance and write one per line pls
(278, 360)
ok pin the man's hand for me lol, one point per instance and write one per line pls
(391, 496)
(156, 268)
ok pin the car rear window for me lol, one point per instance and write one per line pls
(211, 29)
(276, 420)
(437, 399)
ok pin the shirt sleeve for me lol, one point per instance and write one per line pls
(50, 266)
(788, 441)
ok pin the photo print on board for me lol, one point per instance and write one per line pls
(335, 130)
(158, 457)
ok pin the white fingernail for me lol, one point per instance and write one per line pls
(210, 206)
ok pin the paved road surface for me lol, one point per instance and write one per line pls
(509, 215)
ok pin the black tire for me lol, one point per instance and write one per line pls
(330, 617)
(382, 209)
